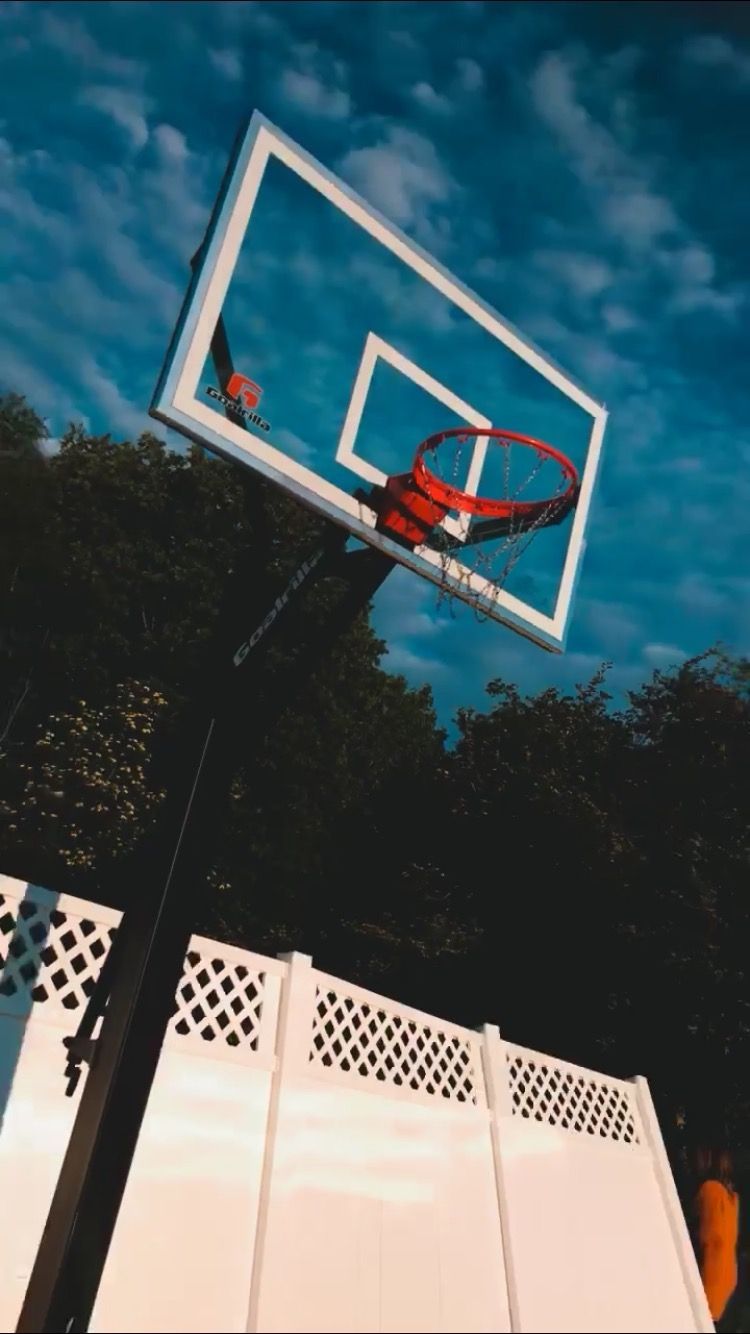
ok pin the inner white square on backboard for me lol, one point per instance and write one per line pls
(346, 452)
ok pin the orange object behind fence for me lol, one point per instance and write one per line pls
(717, 1206)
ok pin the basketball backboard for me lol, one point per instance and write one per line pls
(350, 345)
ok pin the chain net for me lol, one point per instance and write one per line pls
(492, 548)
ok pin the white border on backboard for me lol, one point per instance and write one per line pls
(176, 404)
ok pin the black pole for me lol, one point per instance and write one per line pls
(154, 935)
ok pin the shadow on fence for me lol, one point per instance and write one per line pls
(25, 928)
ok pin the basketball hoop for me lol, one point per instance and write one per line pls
(484, 535)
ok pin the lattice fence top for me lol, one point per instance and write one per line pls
(219, 999)
(53, 957)
(48, 955)
(51, 953)
(356, 1037)
(543, 1090)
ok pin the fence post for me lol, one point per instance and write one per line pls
(677, 1224)
(500, 1106)
(292, 1046)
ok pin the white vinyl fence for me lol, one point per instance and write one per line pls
(318, 1158)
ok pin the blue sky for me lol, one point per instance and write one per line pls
(584, 167)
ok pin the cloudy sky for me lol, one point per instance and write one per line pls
(583, 166)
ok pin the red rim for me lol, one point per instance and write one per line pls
(452, 498)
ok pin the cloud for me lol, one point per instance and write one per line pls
(469, 74)
(20, 205)
(699, 595)
(468, 79)
(586, 275)
(126, 107)
(292, 444)
(413, 665)
(407, 610)
(176, 188)
(316, 83)
(402, 175)
(36, 361)
(19, 43)
(615, 628)
(627, 190)
(605, 370)
(109, 288)
(226, 63)
(171, 143)
(663, 655)
(67, 34)
(490, 268)
(553, 93)
(251, 15)
(426, 96)
(618, 319)
(709, 51)
(416, 307)
(630, 208)
(685, 464)
(403, 39)
(117, 409)
(306, 267)
(39, 383)
(308, 93)
(639, 216)
(695, 264)
(692, 270)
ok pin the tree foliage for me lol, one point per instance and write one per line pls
(605, 854)
(82, 784)
(574, 872)
(27, 550)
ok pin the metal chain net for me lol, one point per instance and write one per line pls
(497, 557)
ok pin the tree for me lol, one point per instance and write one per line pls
(28, 549)
(602, 857)
(22, 430)
(84, 784)
(146, 542)
(689, 804)
(537, 841)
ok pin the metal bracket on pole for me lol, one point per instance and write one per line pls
(81, 1047)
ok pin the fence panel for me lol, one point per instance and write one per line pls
(182, 1249)
(318, 1157)
(589, 1237)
